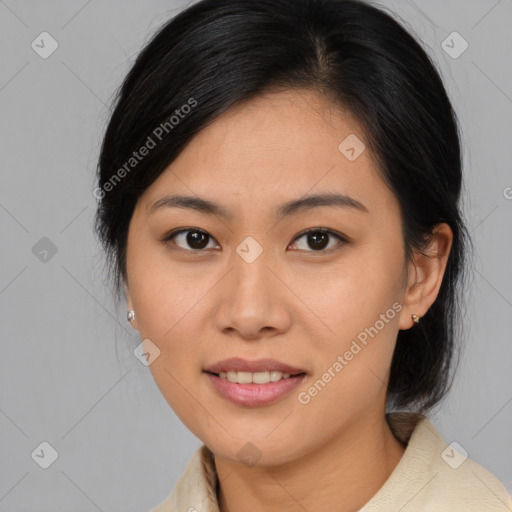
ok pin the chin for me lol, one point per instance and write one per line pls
(254, 451)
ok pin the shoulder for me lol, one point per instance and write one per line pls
(434, 476)
(195, 489)
(469, 486)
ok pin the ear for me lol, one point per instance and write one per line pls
(425, 275)
(129, 306)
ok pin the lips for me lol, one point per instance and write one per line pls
(252, 394)
(237, 364)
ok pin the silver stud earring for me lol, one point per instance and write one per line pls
(416, 319)
(130, 315)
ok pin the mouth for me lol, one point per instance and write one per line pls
(254, 383)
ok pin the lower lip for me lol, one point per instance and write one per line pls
(253, 395)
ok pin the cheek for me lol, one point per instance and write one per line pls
(164, 293)
(169, 306)
(351, 294)
(360, 305)
(168, 309)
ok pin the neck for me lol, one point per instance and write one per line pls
(341, 475)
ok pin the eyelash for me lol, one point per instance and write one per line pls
(342, 239)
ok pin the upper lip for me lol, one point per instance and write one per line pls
(238, 364)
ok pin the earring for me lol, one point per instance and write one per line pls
(130, 315)
(416, 319)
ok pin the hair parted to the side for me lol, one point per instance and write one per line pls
(217, 53)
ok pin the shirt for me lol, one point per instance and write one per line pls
(431, 476)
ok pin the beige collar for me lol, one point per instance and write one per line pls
(200, 494)
(424, 479)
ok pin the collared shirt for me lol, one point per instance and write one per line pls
(431, 476)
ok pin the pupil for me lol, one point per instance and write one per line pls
(196, 240)
(319, 240)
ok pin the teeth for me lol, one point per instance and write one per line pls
(256, 378)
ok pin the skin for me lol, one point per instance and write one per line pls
(293, 303)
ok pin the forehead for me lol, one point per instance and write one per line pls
(272, 148)
(290, 126)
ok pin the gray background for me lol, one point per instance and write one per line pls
(67, 373)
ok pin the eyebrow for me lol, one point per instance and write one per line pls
(292, 207)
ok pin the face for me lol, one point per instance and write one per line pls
(247, 281)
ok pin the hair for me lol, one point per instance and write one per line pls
(218, 53)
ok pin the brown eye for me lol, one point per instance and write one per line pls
(317, 240)
(190, 239)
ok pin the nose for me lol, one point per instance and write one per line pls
(253, 302)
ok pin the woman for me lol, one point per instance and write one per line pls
(278, 195)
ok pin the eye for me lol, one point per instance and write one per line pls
(318, 239)
(196, 239)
